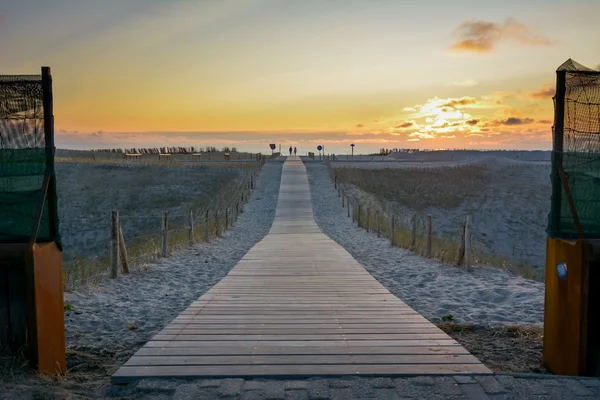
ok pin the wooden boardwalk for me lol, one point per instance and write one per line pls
(298, 305)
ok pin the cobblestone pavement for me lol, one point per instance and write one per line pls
(534, 387)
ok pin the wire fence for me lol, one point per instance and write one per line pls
(420, 232)
(130, 240)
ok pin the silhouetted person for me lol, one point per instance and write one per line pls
(294, 151)
(290, 150)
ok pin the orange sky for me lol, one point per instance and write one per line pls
(250, 72)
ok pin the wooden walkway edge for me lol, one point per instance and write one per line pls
(298, 305)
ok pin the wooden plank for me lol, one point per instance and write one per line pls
(280, 350)
(288, 331)
(313, 359)
(126, 374)
(291, 343)
(300, 336)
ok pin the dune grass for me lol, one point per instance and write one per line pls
(418, 190)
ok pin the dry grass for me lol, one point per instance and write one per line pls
(144, 242)
(418, 188)
(516, 349)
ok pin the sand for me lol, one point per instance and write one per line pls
(487, 296)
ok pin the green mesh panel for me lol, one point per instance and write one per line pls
(580, 157)
(23, 161)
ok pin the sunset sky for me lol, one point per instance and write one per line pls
(246, 73)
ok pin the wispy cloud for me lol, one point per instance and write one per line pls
(483, 36)
(465, 83)
(510, 121)
(360, 126)
(545, 92)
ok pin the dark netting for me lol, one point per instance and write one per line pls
(580, 156)
(23, 160)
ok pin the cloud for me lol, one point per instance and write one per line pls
(422, 135)
(545, 92)
(409, 109)
(483, 36)
(360, 126)
(455, 103)
(510, 121)
(466, 83)
(407, 124)
(473, 122)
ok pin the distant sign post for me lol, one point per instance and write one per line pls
(272, 145)
(319, 147)
(352, 145)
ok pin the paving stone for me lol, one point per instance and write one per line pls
(157, 385)
(387, 394)
(318, 390)
(506, 381)
(195, 392)
(253, 385)
(405, 388)
(340, 383)
(591, 383)
(500, 396)
(423, 381)
(230, 387)
(253, 395)
(207, 383)
(340, 394)
(534, 386)
(296, 394)
(382, 383)
(274, 390)
(490, 384)
(474, 391)
(362, 389)
(578, 389)
(448, 386)
(291, 385)
(461, 379)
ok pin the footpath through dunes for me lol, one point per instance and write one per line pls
(298, 305)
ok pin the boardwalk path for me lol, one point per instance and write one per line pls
(296, 305)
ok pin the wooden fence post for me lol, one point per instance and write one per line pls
(237, 210)
(114, 262)
(343, 196)
(368, 220)
(413, 243)
(348, 208)
(206, 227)
(339, 192)
(226, 218)
(123, 252)
(191, 232)
(217, 223)
(429, 236)
(358, 215)
(392, 223)
(165, 235)
(461, 248)
(335, 183)
(468, 243)
(378, 223)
